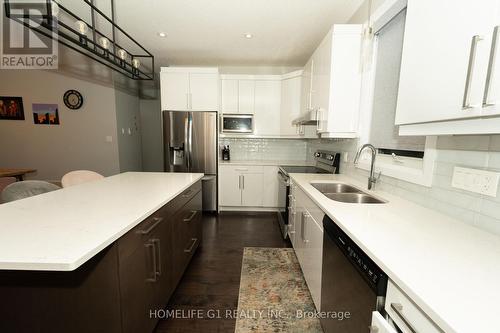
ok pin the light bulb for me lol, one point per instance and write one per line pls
(81, 27)
(122, 54)
(136, 63)
(104, 42)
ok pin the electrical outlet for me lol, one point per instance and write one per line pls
(477, 181)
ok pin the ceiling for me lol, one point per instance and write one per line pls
(211, 32)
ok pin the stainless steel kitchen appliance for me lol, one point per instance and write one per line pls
(237, 123)
(326, 162)
(190, 145)
(351, 282)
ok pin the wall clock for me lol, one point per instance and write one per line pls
(73, 99)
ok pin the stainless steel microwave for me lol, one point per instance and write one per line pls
(237, 123)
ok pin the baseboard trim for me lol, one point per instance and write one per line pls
(248, 209)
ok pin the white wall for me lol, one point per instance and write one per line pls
(78, 143)
(128, 126)
(152, 147)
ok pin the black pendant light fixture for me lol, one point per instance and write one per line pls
(115, 48)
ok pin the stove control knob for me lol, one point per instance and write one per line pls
(330, 158)
(317, 154)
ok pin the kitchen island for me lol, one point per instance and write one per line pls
(97, 257)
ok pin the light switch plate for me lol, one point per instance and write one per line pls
(477, 181)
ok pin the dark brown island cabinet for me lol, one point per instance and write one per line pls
(117, 290)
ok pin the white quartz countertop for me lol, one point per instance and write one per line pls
(61, 230)
(267, 162)
(449, 269)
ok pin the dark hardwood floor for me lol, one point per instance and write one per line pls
(212, 280)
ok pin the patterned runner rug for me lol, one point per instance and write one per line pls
(273, 294)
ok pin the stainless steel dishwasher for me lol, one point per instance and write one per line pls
(351, 283)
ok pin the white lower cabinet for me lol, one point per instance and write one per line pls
(380, 325)
(248, 186)
(405, 313)
(308, 246)
(241, 186)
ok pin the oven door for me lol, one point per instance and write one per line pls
(283, 201)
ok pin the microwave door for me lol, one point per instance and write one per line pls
(176, 139)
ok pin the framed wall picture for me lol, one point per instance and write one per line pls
(46, 114)
(11, 108)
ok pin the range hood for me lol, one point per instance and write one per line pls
(311, 118)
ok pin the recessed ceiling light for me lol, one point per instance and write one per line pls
(162, 34)
(248, 36)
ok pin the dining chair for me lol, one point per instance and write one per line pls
(79, 177)
(26, 189)
(6, 181)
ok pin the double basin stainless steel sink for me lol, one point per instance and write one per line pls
(346, 193)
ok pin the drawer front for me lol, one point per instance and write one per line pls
(380, 325)
(187, 231)
(406, 314)
(136, 237)
(244, 168)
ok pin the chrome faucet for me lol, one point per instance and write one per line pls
(372, 180)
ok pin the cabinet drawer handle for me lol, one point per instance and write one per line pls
(194, 240)
(398, 308)
(491, 67)
(470, 72)
(151, 246)
(156, 221)
(241, 169)
(191, 217)
(187, 194)
(157, 249)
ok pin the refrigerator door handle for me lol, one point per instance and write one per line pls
(190, 142)
(186, 142)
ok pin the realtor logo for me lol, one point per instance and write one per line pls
(27, 31)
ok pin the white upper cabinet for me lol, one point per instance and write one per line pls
(229, 100)
(204, 91)
(445, 62)
(267, 107)
(306, 89)
(335, 90)
(246, 96)
(174, 90)
(189, 89)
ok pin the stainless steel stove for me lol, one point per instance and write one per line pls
(326, 162)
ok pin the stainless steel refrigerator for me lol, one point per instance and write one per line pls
(190, 145)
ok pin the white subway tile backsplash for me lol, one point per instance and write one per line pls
(481, 152)
(245, 149)
(466, 158)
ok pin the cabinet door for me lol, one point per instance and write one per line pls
(230, 186)
(204, 91)
(306, 88)
(292, 215)
(313, 253)
(271, 180)
(229, 99)
(299, 231)
(491, 98)
(246, 96)
(320, 97)
(139, 283)
(380, 325)
(187, 231)
(174, 91)
(252, 189)
(290, 105)
(437, 57)
(267, 107)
